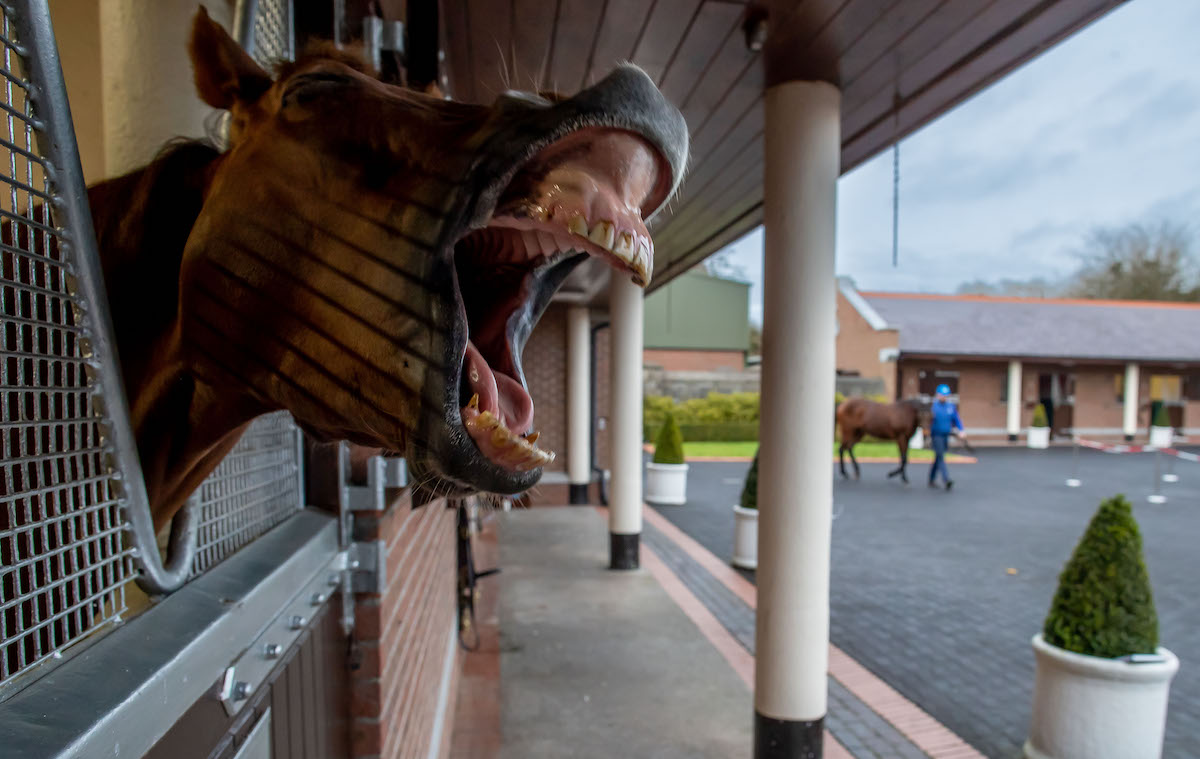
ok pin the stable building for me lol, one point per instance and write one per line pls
(1100, 368)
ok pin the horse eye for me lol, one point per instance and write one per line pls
(308, 87)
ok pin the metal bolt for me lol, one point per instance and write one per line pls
(318, 599)
(297, 622)
(241, 690)
(333, 581)
(272, 650)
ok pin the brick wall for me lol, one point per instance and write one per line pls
(858, 346)
(402, 636)
(693, 360)
(545, 364)
(1097, 405)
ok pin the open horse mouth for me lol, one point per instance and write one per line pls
(583, 195)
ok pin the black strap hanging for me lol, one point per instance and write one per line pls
(468, 632)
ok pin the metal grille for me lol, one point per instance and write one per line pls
(257, 486)
(63, 555)
(272, 31)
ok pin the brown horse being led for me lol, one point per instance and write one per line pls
(369, 258)
(857, 417)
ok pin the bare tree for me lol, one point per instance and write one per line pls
(1138, 262)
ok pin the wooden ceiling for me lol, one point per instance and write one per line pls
(899, 64)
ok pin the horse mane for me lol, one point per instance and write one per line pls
(142, 221)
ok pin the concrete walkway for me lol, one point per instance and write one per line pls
(603, 664)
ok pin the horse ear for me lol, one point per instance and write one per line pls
(225, 74)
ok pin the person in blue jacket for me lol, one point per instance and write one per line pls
(944, 422)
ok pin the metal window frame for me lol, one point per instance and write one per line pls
(243, 27)
(121, 694)
(56, 138)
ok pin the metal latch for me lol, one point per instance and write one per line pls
(380, 35)
(382, 473)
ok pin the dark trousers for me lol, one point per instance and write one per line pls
(940, 444)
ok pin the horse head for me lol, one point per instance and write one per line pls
(373, 259)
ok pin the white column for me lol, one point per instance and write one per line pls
(625, 428)
(1131, 400)
(1014, 399)
(578, 401)
(795, 485)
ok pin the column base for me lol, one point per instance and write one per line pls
(1012, 437)
(788, 739)
(578, 494)
(623, 551)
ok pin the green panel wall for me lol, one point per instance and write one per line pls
(699, 312)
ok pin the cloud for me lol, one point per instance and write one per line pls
(1096, 132)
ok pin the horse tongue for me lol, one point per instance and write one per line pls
(498, 393)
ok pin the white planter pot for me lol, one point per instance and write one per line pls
(666, 484)
(745, 538)
(1162, 437)
(1085, 707)
(1038, 437)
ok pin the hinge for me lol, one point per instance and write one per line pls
(382, 473)
(366, 562)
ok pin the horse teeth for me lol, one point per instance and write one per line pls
(603, 234)
(624, 246)
(474, 402)
(532, 437)
(578, 225)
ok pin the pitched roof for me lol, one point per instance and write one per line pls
(981, 325)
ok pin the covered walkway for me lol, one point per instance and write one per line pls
(656, 662)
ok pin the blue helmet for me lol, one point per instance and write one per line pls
(943, 390)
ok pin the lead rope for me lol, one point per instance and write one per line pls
(468, 632)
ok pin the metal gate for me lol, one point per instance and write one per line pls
(250, 573)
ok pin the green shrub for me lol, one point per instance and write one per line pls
(714, 409)
(1039, 416)
(1161, 419)
(724, 432)
(668, 446)
(1104, 605)
(750, 489)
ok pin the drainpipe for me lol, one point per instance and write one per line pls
(578, 424)
(595, 411)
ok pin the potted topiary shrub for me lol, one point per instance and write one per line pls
(666, 475)
(1039, 430)
(745, 522)
(1162, 434)
(1102, 680)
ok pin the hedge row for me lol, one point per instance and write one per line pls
(718, 431)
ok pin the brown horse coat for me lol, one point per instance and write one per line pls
(369, 258)
(857, 417)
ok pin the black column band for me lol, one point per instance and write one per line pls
(623, 551)
(1012, 437)
(787, 739)
(578, 494)
(1129, 438)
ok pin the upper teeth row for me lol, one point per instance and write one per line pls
(637, 251)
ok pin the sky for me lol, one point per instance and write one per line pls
(1101, 130)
